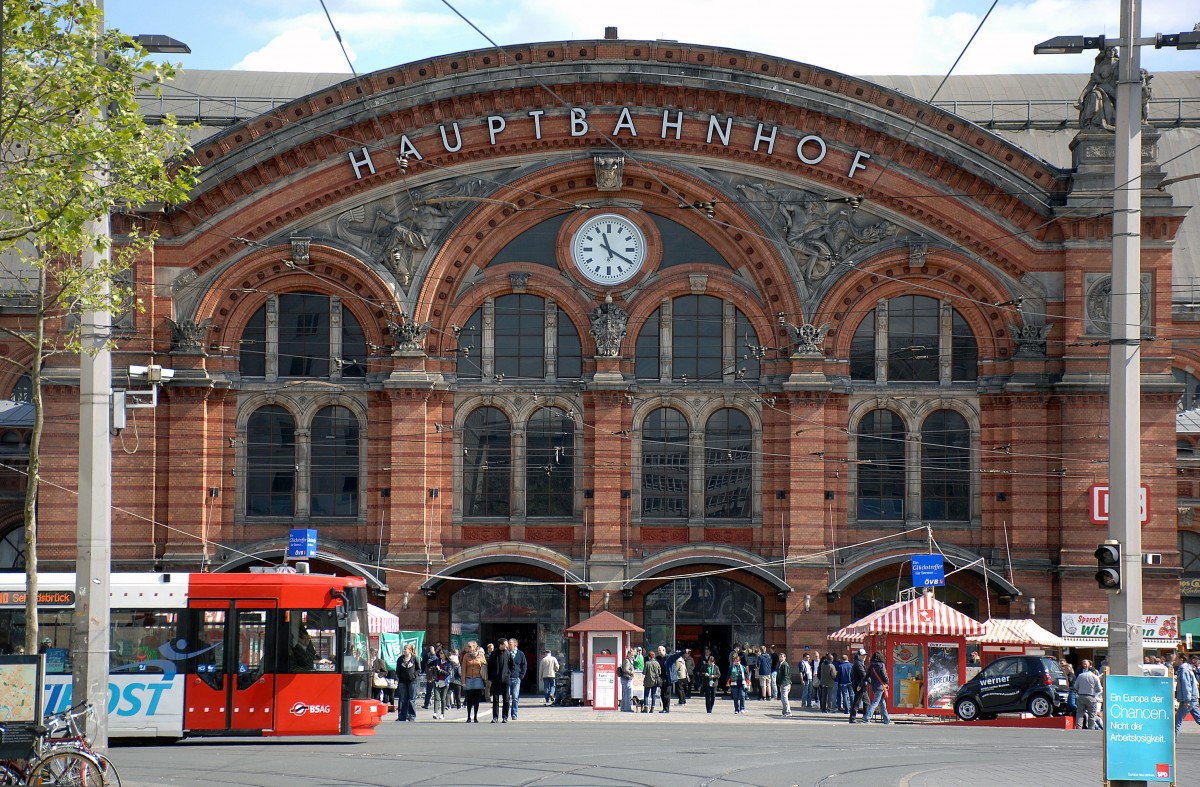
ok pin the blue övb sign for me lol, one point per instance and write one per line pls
(302, 543)
(1139, 729)
(928, 571)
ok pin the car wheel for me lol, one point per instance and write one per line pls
(966, 709)
(1040, 705)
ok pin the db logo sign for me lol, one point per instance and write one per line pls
(301, 709)
(1162, 770)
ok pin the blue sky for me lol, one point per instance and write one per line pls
(860, 37)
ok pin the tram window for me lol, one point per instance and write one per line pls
(54, 639)
(137, 638)
(210, 647)
(311, 639)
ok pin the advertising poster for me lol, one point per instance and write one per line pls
(604, 682)
(908, 669)
(1139, 729)
(389, 649)
(942, 674)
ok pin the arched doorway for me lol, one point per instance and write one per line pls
(511, 606)
(887, 592)
(703, 612)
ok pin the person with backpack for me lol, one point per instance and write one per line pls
(877, 678)
(710, 675)
(738, 680)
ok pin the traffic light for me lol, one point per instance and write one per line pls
(1108, 566)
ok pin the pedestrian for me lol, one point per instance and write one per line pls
(775, 671)
(547, 672)
(379, 680)
(844, 684)
(1087, 697)
(858, 683)
(827, 676)
(668, 679)
(518, 667)
(764, 674)
(877, 678)
(428, 657)
(439, 675)
(783, 682)
(1186, 692)
(454, 693)
(681, 678)
(804, 670)
(408, 673)
(738, 681)
(652, 679)
(625, 673)
(639, 660)
(1072, 697)
(474, 667)
(689, 668)
(711, 676)
(499, 673)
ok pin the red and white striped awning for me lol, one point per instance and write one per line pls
(1001, 631)
(380, 621)
(923, 615)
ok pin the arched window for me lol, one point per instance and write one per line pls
(665, 464)
(520, 336)
(12, 550)
(1190, 398)
(469, 350)
(945, 467)
(881, 483)
(550, 464)
(728, 442)
(22, 390)
(307, 336)
(570, 349)
(913, 339)
(696, 351)
(745, 338)
(334, 470)
(646, 352)
(862, 349)
(964, 352)
(712, 611)
(271, 463)
(487, 463)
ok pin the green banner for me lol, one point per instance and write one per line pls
(391, 645)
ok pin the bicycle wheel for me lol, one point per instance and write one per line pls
(67, 769)
(108, 771)
(10, 775)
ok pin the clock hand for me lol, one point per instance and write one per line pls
(604, 245)
(622, 256)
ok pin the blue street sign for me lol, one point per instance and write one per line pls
(928, 571)
(302, 543)
(1139, 729)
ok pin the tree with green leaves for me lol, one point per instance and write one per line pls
(74, 148)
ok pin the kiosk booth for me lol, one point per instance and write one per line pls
(603, 640)
(924, 644)
(1004, 637)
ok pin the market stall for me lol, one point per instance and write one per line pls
(1004, 637)
(924, 644)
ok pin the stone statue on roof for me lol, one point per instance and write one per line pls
(1098, 103)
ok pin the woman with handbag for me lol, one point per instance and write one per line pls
(877, 677)
(737, 681)
(474, 667)
(710, 677)
(438, 674)
(379, 681)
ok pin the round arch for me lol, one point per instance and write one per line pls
(956, 558)
(507, 552)
(733, 559)
(276, 555)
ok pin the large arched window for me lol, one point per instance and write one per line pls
(945, 467)
(646, 351)
(335, 458)
(728, 442)
(487, 463)
(665, 464)
(516, 346)
(915, 343)
(312, 335)
(271, 463)
(22, 390)
(549, 464)
(704, 612)
(881, 470)
(699, 346)
(696, 350)
(12, 550)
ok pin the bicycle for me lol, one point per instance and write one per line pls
(65, 733)
(36, 765)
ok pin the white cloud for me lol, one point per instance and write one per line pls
(299, 49)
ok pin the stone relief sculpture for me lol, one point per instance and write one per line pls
(819, 232)
(1098, 303)
(409, 335)
(187, 336)
(806, 338)
(608, 327)
(1030, 339)
(610, 172)
(1098, 103)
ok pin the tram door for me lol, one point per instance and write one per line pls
(231, 681)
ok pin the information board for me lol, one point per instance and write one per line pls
(1139, 729)
(604, 682)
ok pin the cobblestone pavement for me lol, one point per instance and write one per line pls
(579, 746)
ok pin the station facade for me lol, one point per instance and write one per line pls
(710, 339)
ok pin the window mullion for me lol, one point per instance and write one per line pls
(272, 339)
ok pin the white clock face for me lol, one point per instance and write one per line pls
(608, 249)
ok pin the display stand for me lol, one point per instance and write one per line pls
(600, 633)
(21, 681)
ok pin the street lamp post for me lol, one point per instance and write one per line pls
(1124, 446)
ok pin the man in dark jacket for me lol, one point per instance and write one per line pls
(499, 671)
(519, 666)
(858, 682)
(668, 676)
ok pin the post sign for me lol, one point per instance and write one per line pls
(928, 571)
(1139, 729)
(302, 543)
(1098, 494)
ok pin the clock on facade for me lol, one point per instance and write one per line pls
(608, 249)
